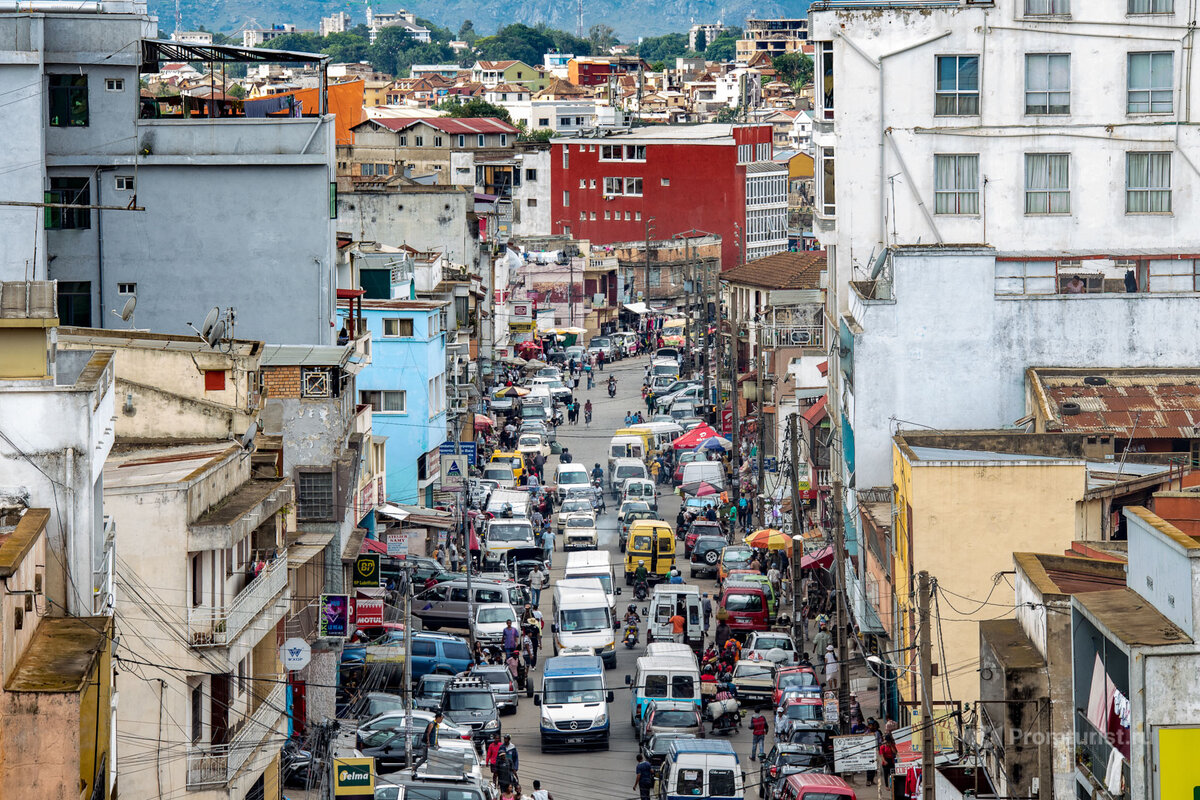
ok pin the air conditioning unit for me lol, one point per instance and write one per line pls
(800, 337)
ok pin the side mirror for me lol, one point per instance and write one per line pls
(629, 680)
(554, 628)
(617, 590)
(537, 699)
(610, 697)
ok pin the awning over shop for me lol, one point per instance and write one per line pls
(374, 546)
(392, 511)
(816, 412)
(821, 558)
(637, 308)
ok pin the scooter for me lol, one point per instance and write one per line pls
(612, 389)
(630, 639)
(641, 590)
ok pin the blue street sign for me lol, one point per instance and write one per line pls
(466, 448)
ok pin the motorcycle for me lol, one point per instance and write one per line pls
(724, 711)
(298, 768)
(630, 639)
(612, 389)
(641, 590)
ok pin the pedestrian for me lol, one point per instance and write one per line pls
(706, 610)
(536, 582)
(548, 546)
(887, 758)
(822, 639)
(655, 468)
(854, 714)
(643, 779)
(504, 768)
(724, 633)
(758, 733)
(454, 557)
(512, 638)
(600, 360)
(773, 577)
(539, 793)
(873, 728)
(831, 668)
(493, 750)
(510, 749)
(429, 739)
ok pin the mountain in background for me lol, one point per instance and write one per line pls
(629, 18)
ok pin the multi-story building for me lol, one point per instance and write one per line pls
(771, 36)
(453, 149)
(405, 390)
(1024, 214)
(531, 198)
(654, 182)
(257, 37)
(118, 164)
(396, 19)
(517, 73)
(597, 70)
(337, 22)
(711, 30)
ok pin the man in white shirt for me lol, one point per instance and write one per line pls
(536, 581)
(539, 793)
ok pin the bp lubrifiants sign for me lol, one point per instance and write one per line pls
(354, 777)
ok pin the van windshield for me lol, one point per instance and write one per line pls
(509, 533)
(575, 690)
(747, 603)
(690, 782)
(582, 620)
(807, 712)
(574, 477)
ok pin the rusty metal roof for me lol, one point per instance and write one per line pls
(1135, 403)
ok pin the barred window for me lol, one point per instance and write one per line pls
(314, 495)
(315, 383)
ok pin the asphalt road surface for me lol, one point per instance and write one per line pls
(599, 774)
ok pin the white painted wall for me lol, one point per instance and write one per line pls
(533, 220)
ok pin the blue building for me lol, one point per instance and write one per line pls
(405, 385)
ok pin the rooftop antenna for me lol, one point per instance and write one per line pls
(579, 24)
(126, 313)
(213, 329)
(178, 20)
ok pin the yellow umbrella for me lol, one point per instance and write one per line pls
(769, 539)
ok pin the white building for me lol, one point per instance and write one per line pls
(564, 117)
(337, 22)
(711, 31)
(258, 37)
(531, 197)
(766, 209)
(971, 161)
(192, 37)
(396, 19)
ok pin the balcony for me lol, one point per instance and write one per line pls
(218, 627)
(217, 765)
(1092, 751)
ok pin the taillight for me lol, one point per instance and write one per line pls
(774, 772)
(466, 736)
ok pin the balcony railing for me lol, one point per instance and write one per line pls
(217, 765)
(823, 478)
(217, 627)
(1092, 751)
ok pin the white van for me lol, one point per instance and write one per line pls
(663, 433)
(669, 677)
(706, 768)
(508, 503)
(670, 649)
(570, 476)
(582, 619)
(663, 604)
(594, 564)
(626, 447)
(708, 471)
(621, 470)
(501, 473)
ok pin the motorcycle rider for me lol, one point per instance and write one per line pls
(631, 616)
(597, 473)
(612, 386)
(641, 579)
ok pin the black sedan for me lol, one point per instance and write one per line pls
(655, 748)
(788, 759)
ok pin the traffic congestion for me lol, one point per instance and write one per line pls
(610, 623)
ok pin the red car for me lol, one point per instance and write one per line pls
(700, 527)
(803, 712)
(683, 458)
(794, 678)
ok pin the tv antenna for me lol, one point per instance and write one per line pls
(246, 440)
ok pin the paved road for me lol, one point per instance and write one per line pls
(602, 774)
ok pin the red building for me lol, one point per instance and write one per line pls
(595, 70)
(673, 178)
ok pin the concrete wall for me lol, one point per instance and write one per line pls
(967, 520)
(1163, 569)
(39, 745)
(423, 217)
(532, 219)
(949, 353)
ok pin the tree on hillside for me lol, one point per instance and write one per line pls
(602, 38)
(345, 48)
(517, 42)
(662, 48)
(394, 51)
(296, 42)
(437, 33)
(466, 32)
(722, 48)
(794, 69)
(701, 40)
(474, 108)
(565, 42)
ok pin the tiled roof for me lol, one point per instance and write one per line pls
(496, 64)
(561, 88)
(785, 270)
(1138, 403)
(451, 125)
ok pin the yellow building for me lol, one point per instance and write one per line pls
(959, 516)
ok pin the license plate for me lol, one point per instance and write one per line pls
(575, 740)
(743, 619)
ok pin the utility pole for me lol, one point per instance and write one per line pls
(706, 322)
(925, 654)
(733, 392)
(687, 300)
(760, 364)
(407, 668)
(794, 473)
(646, 279)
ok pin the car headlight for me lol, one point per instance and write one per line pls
(491, 725)
(609, 646)
(601, 720)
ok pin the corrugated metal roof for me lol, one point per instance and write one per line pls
(946, 454)
(1140, 404)
(304, 355)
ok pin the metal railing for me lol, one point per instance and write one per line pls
(218, 764)
(217, 627)
(1092, 751)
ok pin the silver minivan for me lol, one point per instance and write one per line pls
(446, 604)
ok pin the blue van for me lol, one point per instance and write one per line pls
(574, 702)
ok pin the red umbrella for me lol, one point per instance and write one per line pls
(699, 489)
(821, 558)
(694, 437)
(483, 422)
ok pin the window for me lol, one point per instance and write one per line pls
(531, 174)
(1047, 183)
(612, 185)
(72, 191)
(956, 184)
(397, 326)
(1151, 6)
(197, 712)
(583, 216)
(592, 216)
(592, 183)
(75, 303)
(423, 648)
(241, 677)
(126, 288)
(566, 153)
(656, 686)
(1047, 83)
(1147, 183)
(437, 394)
(957, 86)
(316, 382)
(1042, 8)
(480, 139)
(1173, 275)
(462, 140)
(635, 152)
(826, 186)
(664, 181)
(314, 495)
(637, 216)
(214, 380)
(437, 141)
(633, 186)
(403, 140)
(683, 687)
(583, 148)
(745, 152)
(583, 183)
(123, 183)
(579, 120)
(690, 782)
(1151, 83)
(627, 216)
(608, 215)
(418, 141)
(566, 198)
(68, 101)
(543, 122)
(114, 84)
(825, 70)
(385, 401)
(531, 202)
(504, 140)
(610, 152)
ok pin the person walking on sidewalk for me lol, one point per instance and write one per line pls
(758, 731)
(822, 640)
(643, 779)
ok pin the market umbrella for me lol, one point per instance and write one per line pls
(715, 443)
(536, 363)
(821, 558)
(511, 391)
(483, 422)
(694, 437)
(575, 330)
(699, 489)
(769, 539)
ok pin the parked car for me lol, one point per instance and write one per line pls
(397, 720)
(602, 344)
(706, 552)
(428, 694)
(670, 716)
(372, 704)
(787, 759)
(491, 620)
(655, 748)
(504, 688)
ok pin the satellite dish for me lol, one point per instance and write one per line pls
(209, 323)
(247, 440)
(215, 333)
(127, 311)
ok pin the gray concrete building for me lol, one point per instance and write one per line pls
(186, 204)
